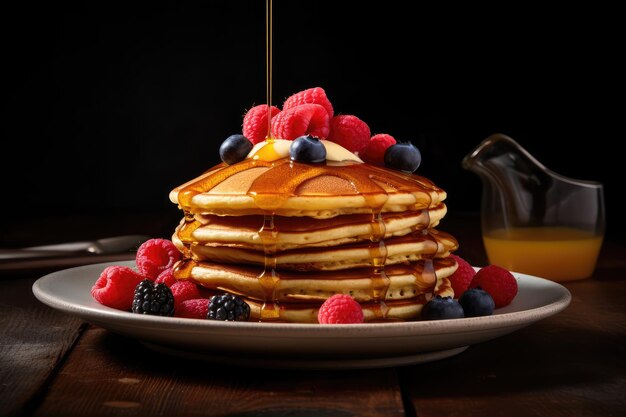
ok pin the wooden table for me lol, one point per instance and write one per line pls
(571, 364)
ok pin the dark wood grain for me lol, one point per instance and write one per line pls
(109, 375)
(572, 364)
(34, 338)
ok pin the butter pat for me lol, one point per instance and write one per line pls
(335, 152)
(270, 150)
(279, 148)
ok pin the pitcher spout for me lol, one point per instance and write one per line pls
(518, 189)
(498, 153)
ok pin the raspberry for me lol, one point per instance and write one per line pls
(315, 95)
(156, 255)
(115, 287)
(374, 152)
(183, 291)
(498, 282)
(462, 277)
(350, 132)
(306, 119)
(166, 277)
(255, 122)
(196, 308)
(340, 309)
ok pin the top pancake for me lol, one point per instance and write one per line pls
(289, 188)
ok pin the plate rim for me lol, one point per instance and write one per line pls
(102, 313)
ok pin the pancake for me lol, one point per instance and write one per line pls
(408, 248)
(396, 310)
(375, 311)
(288, 188)
(400, 282)
(293, 232)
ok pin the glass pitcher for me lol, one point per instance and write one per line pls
(534, 220)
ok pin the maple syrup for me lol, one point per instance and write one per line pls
(268, 64)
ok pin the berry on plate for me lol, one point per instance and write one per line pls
(183, 291)
(498, 282)
(403, 157)
(350, 132)
(235, 149)
(153, 299)
(305, 119)
(115, 287)
(155, 256)
(374, 151)
(315, 95)
(477, 302)
(227, 307)
(442, 308)
(462, 277)
(307, 149)
(255, 122)
(340, 309)
(196, 308)
(166, 277)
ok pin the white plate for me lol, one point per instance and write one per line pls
(301, 345)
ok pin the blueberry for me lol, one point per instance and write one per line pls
(403, 157)
(477, 302)
(441, 308)
(235, 148)
(307, 149)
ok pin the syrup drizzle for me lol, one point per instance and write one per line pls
(269, 278)
(378, 257)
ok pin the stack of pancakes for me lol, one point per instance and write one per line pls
(285, 236)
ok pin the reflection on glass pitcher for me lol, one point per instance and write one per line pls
(534, 220)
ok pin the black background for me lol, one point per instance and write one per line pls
(106, 106)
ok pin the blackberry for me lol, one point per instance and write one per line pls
(227, 307)
(154, 299)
